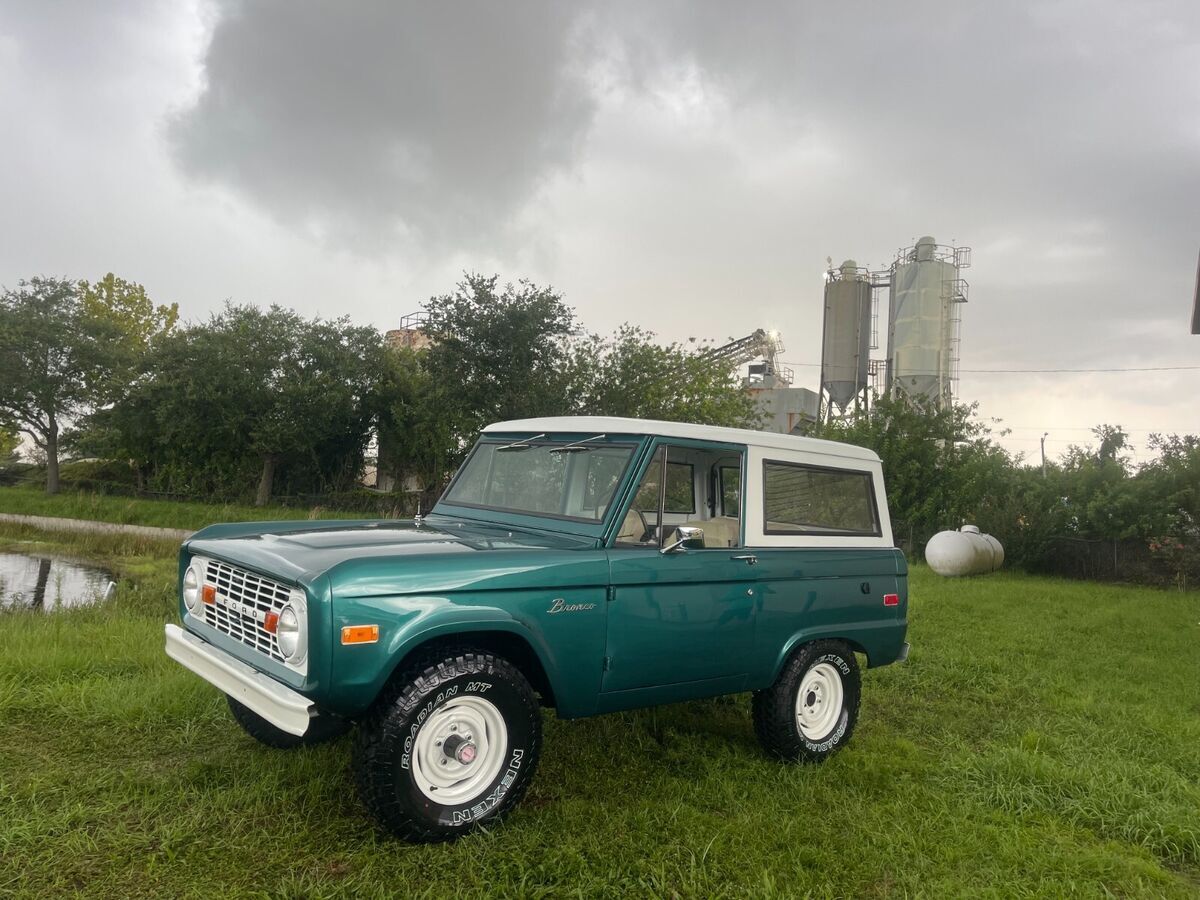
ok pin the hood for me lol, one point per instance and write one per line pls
(303, 551)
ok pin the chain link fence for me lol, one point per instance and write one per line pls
(1130, 560)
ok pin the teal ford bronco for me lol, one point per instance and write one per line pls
(584, 564)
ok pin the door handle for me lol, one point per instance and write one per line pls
(749, 558)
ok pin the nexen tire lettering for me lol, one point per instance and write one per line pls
(389, 754)
(488, 803)
(841, 664)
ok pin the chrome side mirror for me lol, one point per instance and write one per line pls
(685, 537)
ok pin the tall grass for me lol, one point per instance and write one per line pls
(142, 511)
(1042, 740)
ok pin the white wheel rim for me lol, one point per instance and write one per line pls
(819, 701)
(459, 750)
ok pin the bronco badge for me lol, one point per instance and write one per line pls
(561, 605)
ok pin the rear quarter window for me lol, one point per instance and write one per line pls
(801, 499)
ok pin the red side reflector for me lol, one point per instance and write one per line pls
(891, 599)
(360, 634)
(271, 622)
(208, 594)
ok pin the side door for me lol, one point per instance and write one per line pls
(686, 616)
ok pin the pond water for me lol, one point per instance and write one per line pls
(36, 581)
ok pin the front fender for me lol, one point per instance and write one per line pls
(569, 647)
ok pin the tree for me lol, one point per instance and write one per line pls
(1173, 504)
(1113, 442)
(315, 393)
(136, 323)
(55, 362)
(125, 430)
(515, 353)
(630, 374)
(1169, 491)
(1098, 487)
(504, 352)
(230, 405)
(415, 438)
(10, 440)
(125, 306)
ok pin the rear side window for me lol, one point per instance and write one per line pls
(800, 499)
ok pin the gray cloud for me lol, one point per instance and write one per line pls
(389, 120)
(685, 165)
(440, 121)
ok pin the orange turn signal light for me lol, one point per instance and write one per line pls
(208, 594)
(360, 634)
(271, 622)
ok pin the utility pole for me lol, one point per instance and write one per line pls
(1196, 302)
(1044, 436)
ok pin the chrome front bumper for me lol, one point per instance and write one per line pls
(278, 704)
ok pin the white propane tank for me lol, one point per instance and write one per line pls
(997, 551)
(963, 552)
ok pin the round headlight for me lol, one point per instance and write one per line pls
(191, 587)
(287, 632)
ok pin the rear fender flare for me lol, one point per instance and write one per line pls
(807, 636)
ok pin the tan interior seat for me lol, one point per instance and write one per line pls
(721, 531)
(631, 528)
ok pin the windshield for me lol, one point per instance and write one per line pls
(563, 479)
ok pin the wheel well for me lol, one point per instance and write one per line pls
(852, 644)
(857, 648)
(511, 646)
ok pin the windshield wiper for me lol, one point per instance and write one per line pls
(578, 446)
(523, 444)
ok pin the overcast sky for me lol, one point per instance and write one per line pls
(684, 166)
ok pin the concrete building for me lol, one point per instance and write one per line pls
(787, 410)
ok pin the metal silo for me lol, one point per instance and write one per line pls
(923, 321)
(845, 347)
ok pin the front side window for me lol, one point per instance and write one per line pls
(641, 524)
(800, 499)
(559, 479)
(731, 490)
(681, 490)
(670, 496)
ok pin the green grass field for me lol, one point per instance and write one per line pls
(139, 511)
(1042, 740)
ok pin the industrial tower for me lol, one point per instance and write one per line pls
(925, 292)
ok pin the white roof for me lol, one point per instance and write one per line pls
(589, 425)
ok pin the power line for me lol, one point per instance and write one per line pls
(1031, 371)
(1030, 440)
(1004, 424)
(1085, 371)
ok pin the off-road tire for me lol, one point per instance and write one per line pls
(321, 729)
(385, 759)
(776, 714)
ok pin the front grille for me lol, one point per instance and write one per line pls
(243, 601)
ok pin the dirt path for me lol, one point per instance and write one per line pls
(53, 523)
